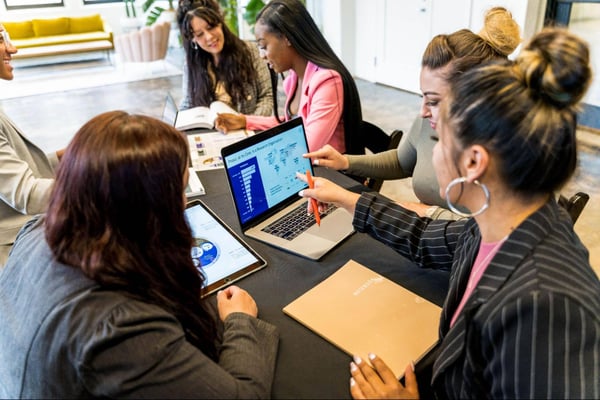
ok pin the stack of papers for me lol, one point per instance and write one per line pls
(205, 148)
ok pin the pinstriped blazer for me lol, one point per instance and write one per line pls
(531, 328)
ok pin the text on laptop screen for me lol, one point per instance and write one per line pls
(264, 175)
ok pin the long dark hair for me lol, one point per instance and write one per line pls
(289, 18)
(235, 70)
(117, 213)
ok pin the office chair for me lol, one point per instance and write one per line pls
(574, 204)
(376, 142)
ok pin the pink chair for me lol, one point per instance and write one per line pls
(150, 43)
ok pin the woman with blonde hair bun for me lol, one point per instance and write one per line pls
(521, 319)
(497, 40)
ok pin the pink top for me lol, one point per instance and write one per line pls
(321, 105)
(487, 251)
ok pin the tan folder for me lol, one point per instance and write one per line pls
(362, 312)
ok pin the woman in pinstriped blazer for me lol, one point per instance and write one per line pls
(522, 316)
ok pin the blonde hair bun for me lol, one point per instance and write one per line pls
(501, 31)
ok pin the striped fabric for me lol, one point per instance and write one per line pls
(531, 328)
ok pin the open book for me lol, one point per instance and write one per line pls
(362, 312)
(201, 117)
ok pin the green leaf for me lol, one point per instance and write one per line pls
(252, 9)
(147, 4)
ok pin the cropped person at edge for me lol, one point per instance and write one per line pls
(26, 173)
(522, 315)
(100, 297)
(498, 38)
(318, 87)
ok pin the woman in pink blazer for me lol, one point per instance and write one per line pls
(318, 87)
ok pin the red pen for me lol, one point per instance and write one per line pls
(315, 206)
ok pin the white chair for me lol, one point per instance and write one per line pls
(148, 44)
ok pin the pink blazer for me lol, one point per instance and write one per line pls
(321, 105)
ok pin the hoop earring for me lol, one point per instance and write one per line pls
(460, 181)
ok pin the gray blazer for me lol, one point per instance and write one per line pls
(64, 336)
(531, 328)
(26, 177)
(412, 158)
(260, 100)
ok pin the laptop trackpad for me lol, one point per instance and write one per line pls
(335, 225)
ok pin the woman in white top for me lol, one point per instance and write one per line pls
(26, 173)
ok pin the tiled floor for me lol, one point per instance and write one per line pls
(51, 119)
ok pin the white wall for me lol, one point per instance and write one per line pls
(339, 21)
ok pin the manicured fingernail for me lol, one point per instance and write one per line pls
(301, 193)
(316, 162)
(357, 360)
(352, 382)
(372, 356)
(353, 367)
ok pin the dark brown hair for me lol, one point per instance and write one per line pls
(117, 213)
(290, 19)
(236, 67)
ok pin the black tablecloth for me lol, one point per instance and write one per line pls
(307, 365)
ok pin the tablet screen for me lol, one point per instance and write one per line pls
(218, 253)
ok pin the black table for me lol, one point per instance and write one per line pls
(307, 365)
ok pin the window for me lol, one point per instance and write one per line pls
(19, 4)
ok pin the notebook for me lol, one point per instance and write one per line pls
(193, 118)
(362, 312)
(219, 254)
(205, 145)
(261, 172)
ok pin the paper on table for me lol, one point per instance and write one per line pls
(194, 187)
(205, 148)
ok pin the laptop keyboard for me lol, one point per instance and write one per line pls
(295, 222)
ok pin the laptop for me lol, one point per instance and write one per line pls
(261, 173)
(170, 110)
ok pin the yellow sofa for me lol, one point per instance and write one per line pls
(57, 36)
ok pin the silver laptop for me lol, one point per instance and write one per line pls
(261, 172)
(170, 110)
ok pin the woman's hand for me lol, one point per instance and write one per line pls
(327, 192)
(328, 157)
(229, 122)
(233, 299)
(379, 382)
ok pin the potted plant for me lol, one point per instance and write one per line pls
(156, 11)
(130, 22)
(252, 9)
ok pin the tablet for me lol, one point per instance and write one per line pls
(220, 255)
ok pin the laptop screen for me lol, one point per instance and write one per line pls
(262, 170)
